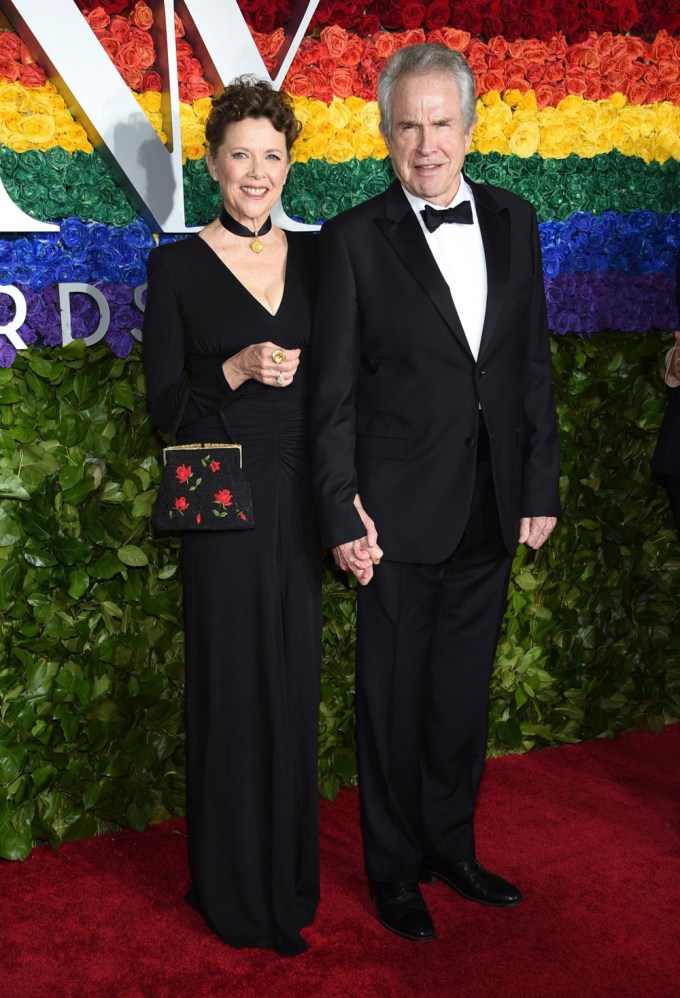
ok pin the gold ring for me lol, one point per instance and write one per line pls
(280, 380)
(278, 356)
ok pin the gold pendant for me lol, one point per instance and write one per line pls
(256, 246)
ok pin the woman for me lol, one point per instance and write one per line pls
(228, 312)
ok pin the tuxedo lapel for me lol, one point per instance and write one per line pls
(494, 225)
(402, 231)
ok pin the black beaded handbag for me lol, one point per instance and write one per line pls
(203, 486)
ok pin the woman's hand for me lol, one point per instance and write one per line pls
(264, 362)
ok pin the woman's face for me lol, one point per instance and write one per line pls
(251, 167)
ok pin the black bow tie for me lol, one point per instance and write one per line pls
(433, 217)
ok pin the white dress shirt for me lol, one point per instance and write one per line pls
(459, 253)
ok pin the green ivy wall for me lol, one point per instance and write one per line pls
(91, 665)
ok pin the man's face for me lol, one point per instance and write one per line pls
(428, 141)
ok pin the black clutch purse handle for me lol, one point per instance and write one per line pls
(182, 408)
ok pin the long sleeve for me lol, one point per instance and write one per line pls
(165, 354)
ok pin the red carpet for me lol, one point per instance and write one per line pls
(590, 833)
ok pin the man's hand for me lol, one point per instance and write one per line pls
(535, 530)
(674, 366)
(359, 556)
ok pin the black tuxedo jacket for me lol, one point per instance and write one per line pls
(666, 460)
(396, 390)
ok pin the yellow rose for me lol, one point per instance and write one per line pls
(525, 138)
(202, 108)
(300, 153)
(364, 145)
(19, 144)
(368, 117)
(527, 102)
(554, 141)
(570, 105)
(666, 145)
(618, 100)
(13, 96)
(38, 129)
(490, 99)
(339, 114)
(340, 149)
(67, 143)
(318, 144)
(318, 112)
(512, 97)
(356, 104)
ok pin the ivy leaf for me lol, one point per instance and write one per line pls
(11, 487)
(133, 556)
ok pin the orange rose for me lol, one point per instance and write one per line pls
(342, 81)
(554, 73)
(668, 70)
(674, 92)
(636, 71)
(141, 15)
(557, 46)
(491, 80)
(120, 29)
(476, 57)
(516, 81)
(179, 27)
(593, 80)
(651, 75)
(299, 85)
(456, 39)
(98, 19)
(133, 77)
(129, 57)
(544, 95)
(414, 36)
(197, 88)
(321, 87)
(110, 46)
(498, 47)
(183, 48)
(326, 64)
(386, 44)
(151, 80)
(335, 39)
(32, 76)
(659, 92)
(637, 93)
(663, 47)
(351, 57)
(575, 84)
(9, 70)
(534, 72)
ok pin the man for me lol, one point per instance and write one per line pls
(666, 460)
(433, 433)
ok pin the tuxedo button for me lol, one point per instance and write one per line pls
(480, 373)
(470, 442)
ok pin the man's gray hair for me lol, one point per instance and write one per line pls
(426, 58)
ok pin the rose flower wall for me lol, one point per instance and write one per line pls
(579, 111)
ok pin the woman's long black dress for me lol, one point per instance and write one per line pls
(252, 603)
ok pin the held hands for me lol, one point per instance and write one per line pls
(535, 530)
(264, 362)
(360, 556)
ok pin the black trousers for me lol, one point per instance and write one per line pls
(426, 641)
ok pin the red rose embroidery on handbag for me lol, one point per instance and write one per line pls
(181, 504)
(215, 465)
(224, 497)
(183, 473)
(243, 516)
(198, 518)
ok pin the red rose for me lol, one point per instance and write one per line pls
(183, 473)
(196, 88)
(264, 20)
(120, 29)
(413, 15)
(9, 70)
(224, 497)
(181, 504)
(437, 14)
(370, 25)
(214, 465)
(10, 46)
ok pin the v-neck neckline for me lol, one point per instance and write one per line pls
(240, 283)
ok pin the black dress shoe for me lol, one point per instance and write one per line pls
(401, 909)
(473, 882)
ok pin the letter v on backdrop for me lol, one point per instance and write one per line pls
(149, 172)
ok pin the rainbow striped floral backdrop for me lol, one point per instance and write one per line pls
(578, 106)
